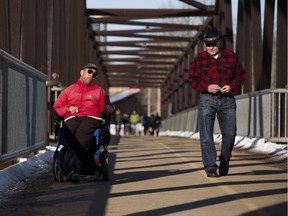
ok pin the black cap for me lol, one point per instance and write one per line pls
(90, 66)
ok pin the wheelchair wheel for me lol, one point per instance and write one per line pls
(60, 175)
(56, 169)
(55, 166)
(105, 169)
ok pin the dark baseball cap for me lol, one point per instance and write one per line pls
(90, 66)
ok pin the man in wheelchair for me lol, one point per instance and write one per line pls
(82, 106)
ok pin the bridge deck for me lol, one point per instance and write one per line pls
(162, 176)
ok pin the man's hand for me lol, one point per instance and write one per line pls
(225, 89)
(214, 88)
(73, 109)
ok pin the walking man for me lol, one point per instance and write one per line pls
(216, 74)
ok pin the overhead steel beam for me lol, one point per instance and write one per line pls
(162, 37)
(135, 52)
(136, 77)
(135, 85)
(169, 48)
(150, 24)
(138, 71)
(127, 67)
(138, 43)
(151, 13)
(137, 31)
(139, 61)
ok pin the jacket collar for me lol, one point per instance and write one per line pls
(80, 83)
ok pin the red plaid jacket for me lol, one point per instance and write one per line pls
(226, 70)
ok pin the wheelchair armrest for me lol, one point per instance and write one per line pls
(107, 117)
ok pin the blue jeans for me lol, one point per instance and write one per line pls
(225, 109)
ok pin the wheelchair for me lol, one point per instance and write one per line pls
(97, 160)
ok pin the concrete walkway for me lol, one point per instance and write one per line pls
(162, 176)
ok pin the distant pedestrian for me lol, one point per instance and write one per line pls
(157, 124)
(134, 119)
(55, 77)
(118, 121)
(126, 123)
(145, 123)
(151, 124)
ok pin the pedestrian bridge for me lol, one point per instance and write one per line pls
(151, 175)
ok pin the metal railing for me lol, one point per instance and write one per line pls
(23, 108)
(55, 91)
(261, 114)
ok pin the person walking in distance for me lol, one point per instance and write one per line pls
(55, 77)
(157, 124)
(126, 123)
(145, 123)
(217, 74)
(118, 121)
(134, 119)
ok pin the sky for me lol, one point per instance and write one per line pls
(13, 179)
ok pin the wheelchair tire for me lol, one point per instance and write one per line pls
(55, 166)
(56, 169)
(60, 175)
(105, 170)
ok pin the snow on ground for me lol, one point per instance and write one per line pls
(257, 145)
(15, 177)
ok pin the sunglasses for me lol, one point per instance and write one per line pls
(211, 44)
(92, 72)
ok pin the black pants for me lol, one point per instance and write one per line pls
(78, 133)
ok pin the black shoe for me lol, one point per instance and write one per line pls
(212, 173)
(223, 169)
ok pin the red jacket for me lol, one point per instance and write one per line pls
(90, 100)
